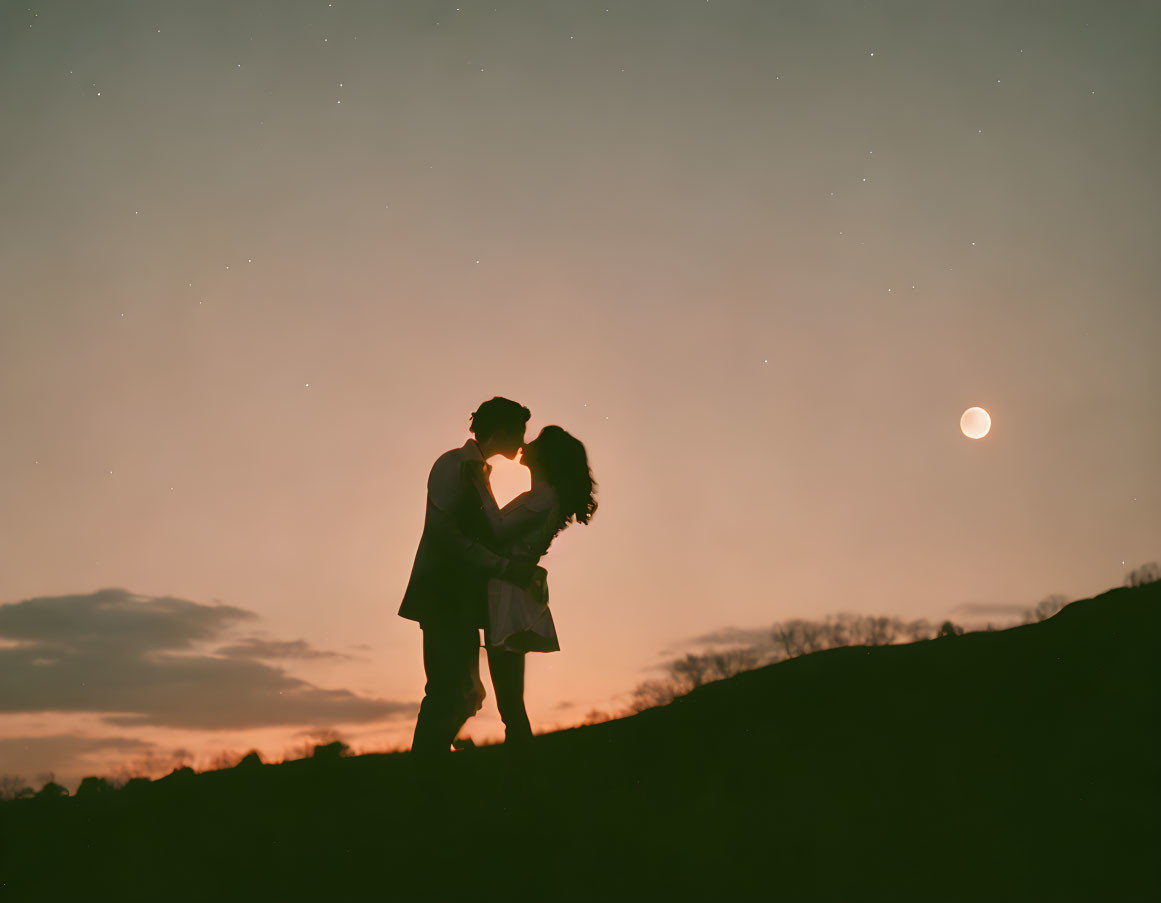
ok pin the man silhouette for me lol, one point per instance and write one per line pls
(447, 591)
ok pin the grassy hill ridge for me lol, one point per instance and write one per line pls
(1009, 765)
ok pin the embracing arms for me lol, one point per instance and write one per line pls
(504, 524)
(444, 486)
(443, 491)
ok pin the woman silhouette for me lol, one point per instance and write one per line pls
(519, 619)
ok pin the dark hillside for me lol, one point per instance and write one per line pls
(1011, 765)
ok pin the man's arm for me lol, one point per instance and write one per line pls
(505, 523)
(444, 487)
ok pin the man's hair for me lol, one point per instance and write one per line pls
(498, 414)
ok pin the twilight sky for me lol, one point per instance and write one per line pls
(259, 261)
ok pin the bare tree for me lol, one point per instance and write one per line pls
(920, 629)
(224, 759)
(652, 693)
(1146, 573)
(882, 631)
(11, 786)
(790, 639)
(149, 765)
(690, 672)
(1045, 608)
(799, 637)
(729, 662)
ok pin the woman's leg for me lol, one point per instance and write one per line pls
(507, 669)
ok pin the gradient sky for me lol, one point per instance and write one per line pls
(259, 261)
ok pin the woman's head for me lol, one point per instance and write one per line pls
(561, 459)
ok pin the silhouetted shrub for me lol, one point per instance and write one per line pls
(135, 785)
(93, 785)
(180, 774)
(52, 790)
(947, 628)
(330, 752)
(251, 759)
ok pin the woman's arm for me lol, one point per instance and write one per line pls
(513, 519)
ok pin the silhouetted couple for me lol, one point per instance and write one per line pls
(477, 567)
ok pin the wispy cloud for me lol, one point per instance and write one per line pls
(26, 756)
(116, 618)
(990, 608)
(253, 647)
(732, 636)
(113, 652)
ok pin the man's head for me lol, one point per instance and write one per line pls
(498, 425)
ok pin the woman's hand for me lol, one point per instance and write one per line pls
(520, 572)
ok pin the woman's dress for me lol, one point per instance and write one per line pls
(519, 619)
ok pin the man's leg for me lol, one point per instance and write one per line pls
(507, 669)
(451, 660)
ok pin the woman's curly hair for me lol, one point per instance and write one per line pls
(565, 463)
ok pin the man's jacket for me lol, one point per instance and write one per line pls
(449, 578)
